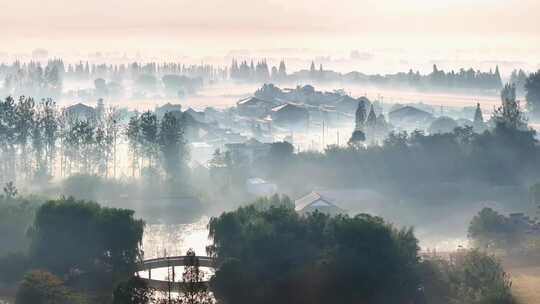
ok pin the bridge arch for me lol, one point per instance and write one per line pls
(167, 262)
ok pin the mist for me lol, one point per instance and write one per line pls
(274, 151)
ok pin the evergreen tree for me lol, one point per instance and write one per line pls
(509, 113)
(372, 118)
(478, 123)
(360, 116)
(478, 117)
(282, 71)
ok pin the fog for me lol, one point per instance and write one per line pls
(305, 152)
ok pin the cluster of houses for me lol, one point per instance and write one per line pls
(247, 130)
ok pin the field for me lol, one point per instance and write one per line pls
(525, 283)
(525, 275)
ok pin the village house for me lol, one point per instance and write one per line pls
(254, 107)
(313, 202)
(290, 115)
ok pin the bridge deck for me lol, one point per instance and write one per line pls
(148, 265)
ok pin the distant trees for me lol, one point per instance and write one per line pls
(180, 85)
(518, 78)
(466, 79)
(500, 156)
(491, 230)
(157, 142)
(532, 87)
(32, 79)
(35, 135)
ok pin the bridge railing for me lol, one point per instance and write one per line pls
(149, 264)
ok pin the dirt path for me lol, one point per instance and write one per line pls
(525, 283)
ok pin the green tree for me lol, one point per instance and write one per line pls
(149, 137)
(42, 287)
(480, 278)
(87, 237)
(194, 289)
(133, 291)
(469, 277)
(134, 137)
(490, 230)
(172, 146)
(277, 256)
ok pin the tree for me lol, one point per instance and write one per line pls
(469, 276)
(358, 135)
(480, 278)
(149, 136)
(357, 138)
(509, 113)
(532, 87)
(133, 291)
(276, 255)
(371, 120)
(360, 117)
(42, 287)
(193, 288)
(478, 122)
(491, 230)
(10, 191)
(171, 143)
(134, 137)
(282, 71)
(280, 152)
(98, 239)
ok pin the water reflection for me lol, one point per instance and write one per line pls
(162, 240)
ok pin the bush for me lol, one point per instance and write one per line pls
(469, 277)
(42, 287)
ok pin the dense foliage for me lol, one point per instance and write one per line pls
(277, 256)
(16, 215)
(503, 156)
(489, 229)
(42, 287)
(90, 239)
(468, 277)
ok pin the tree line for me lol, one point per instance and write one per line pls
(276, 255)
(39, 140)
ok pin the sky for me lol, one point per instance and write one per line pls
(510, 28)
